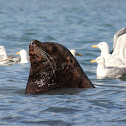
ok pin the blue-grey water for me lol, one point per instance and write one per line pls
(77, 24)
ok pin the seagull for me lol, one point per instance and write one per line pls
(111, 72)
(23, 56)
(9, 60)
(118, 56)
(3, 54)
(4, 59)
(110, 59)
(74, 53)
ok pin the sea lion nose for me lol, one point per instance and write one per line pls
(32, 42)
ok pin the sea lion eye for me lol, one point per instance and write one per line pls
(54, 49)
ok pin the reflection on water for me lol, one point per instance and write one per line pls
(77, 25)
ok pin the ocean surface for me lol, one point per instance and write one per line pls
(76, 24)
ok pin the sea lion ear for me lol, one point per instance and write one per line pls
(68, 59)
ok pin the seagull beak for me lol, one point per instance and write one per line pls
(79, 54)
(92, 61)
(94, 46)
(18, 53)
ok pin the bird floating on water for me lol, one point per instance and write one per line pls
(9, 60)
(4, 59)
(23, 56)
(74, 53)
(111, 72)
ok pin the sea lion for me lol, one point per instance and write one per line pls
(53, 66)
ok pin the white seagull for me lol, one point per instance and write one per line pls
(4, 59)
(111, 72)
(74, 53)
(118, 56)
(23, 56)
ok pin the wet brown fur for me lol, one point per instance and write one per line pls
(53, 66)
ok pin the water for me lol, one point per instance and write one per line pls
(77, 25)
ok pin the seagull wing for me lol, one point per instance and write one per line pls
(117, 35)
(115, 72)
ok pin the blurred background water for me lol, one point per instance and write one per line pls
(76, 24)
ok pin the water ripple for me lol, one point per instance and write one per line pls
(77, 25)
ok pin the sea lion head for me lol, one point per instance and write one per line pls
(52, 66)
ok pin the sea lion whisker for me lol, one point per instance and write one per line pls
(50, 57)
(45, 56)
